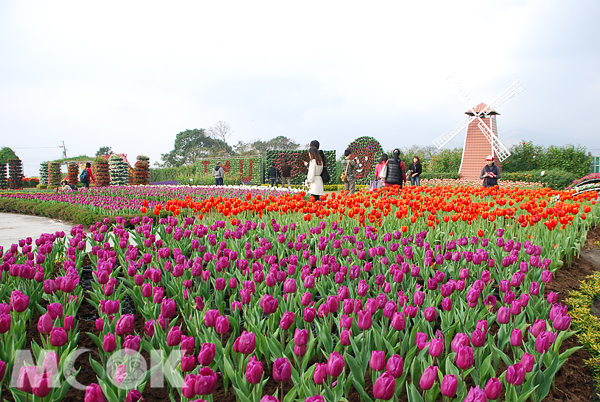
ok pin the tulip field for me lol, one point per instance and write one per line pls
(418, 294)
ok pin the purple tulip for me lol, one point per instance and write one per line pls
(222, 325)
(476, 395)
(395, 366)
(493, 388)
(428, 378)
(254, 371)
(377, 361)
(206, 381)
(93, 393)
(210, 318)
(384, 387)
(207, 354)
(320, 374)
(365, 320)
(45, 324)
(516, 337)
(287, 320)
(245, 343)
(544, 340)
(449, 385)
(464, 357)
(124, 325)
(515, 374)
(527, 361)
(174, 336)
(282, 370)
(335, 364)
(58, 337)
(301, 337)
(436, 347)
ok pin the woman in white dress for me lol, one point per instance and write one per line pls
(313, 178)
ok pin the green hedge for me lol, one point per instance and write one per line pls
(441, 176)
(555, 179)
(296, 160)
(70, 213)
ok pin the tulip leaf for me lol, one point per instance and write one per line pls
(526, 394)
(291, 395)
(274, 347)
(98, 369)
(485, 367)
(565, 355)
(361, 390)
(59, 394)
(19, 396)
(356, 371)
(432, 393)
(413, 393)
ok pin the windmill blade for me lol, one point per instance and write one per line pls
(513, 90)
(499, 149)
(442, 140)
(461, 93)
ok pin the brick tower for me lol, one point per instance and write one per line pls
(477, 147)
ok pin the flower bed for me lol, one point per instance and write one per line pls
(478, 183)
(419, 291)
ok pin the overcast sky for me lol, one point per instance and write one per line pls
(131, 75)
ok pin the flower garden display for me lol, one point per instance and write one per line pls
(387, 294)
(101, 173)
(3, 177)
(44, 173)
(245, 170)
(73, 174)
(296, 159)
(54, 174)
(141, 172)
(15, 170)
(366, 152)
(119, 171)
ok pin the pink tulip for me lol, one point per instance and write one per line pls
(210, 318)
(320, 374)
(206, 381)
(515, 374)
(245, 343)
(516, 337)
(287, 320)
(188, 389)
(527, 361)
(124, 325)
(42, 385)
(301, 337)
(476, 395)
(398, 321)
(464, 357)
(395, 366)
(365, 320)
(269, 304)
(222, 325)
(120, 374)
(493, 388)
(188, 344)
(134, 396)
(168, 308)
(108, 343)
(45, 324)
(174, 336)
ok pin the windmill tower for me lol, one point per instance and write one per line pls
(482, 132)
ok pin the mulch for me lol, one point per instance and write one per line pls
(573, 382)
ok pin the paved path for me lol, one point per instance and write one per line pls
(14, 227)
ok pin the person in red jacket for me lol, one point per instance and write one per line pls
(90, 176)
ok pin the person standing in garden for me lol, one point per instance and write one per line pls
(380, 181)
(219, 174)
(286, 173)
(415, 171)
(274, 175)
(86, 175)
(349, 172)
(314, 182)
(490, 173)
(396, 170)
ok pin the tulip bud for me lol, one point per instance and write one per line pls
(254, 371)
(493, 388)
(222, 325)
(464, 357)
(516, 337)
(335, 364)
(282, 370)
(384, 387)
(428, 378)
(449, 386)
(108, 343)
(93, 393)
(320, 373)
(58, 337)
(377, 361)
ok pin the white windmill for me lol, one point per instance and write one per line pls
(482, 134)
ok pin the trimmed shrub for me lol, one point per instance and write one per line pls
(54, 174)
(15, 169)
(366, 152)
(44, 173)
(119, 174)
(447, 161)
(72, 174)
(100, 171)
(141, 173)
(441, 176)
(3, 178)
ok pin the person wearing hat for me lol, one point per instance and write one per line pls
(218, 174)
(490, 173)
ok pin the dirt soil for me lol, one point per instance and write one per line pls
(574, 381)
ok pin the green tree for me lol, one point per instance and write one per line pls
(6, 154)
(104, 151)
(447, 161)
(525, 156)
(260, 147)
(192, 145)
(568, 158)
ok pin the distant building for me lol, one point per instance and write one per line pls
(595, 165)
